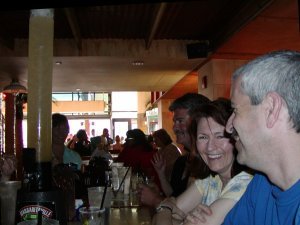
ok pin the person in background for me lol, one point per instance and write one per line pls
(66, 165)
(266, 126)
(165, 157)
(92, 133)
(181, 108)
(61, 153)
(105, 133)
(122, 140)
(68, 139)
(102, 150)
(7, 167)
(222, 181)
(96, 140)
(150, 140)
(117, 146)
(80, 143)
(137, 154)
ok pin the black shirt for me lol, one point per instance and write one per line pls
(179, 183)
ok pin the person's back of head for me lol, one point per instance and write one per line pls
(150, 138)
(129, 140)
(58, 119)
(188, 101)
(139, 136)
(81, 135)
(163, 136)
(140, 139)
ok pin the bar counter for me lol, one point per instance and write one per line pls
(127, 216)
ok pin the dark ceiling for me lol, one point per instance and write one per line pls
(210, 22)
(205, 20)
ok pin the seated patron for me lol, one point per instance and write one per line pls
(81, 144)
(182, 173)
(96, 140)
(117, 146)
(138, 153)
(61, 153)
(223, 180)
(166, 156)
(102, 150)
(266, 126)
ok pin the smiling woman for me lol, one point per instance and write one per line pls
(222, 181)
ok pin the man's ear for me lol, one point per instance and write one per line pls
(273, 106)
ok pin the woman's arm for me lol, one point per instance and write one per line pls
(175, 209)
(230, 195)
(189, 199)
(219, 210)
(159, 164)
(165, 185)
(164, 217)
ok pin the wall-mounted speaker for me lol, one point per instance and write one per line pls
(197, 50)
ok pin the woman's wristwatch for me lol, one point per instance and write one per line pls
(170, 204)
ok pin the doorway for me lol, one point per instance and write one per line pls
(120, 127)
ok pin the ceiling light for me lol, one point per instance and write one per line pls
(137, 63)
(58, 63)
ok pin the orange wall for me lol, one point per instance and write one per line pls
(218, 72)
(76, 106)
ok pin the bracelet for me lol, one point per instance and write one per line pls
(162, 207)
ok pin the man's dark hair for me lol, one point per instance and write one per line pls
(58, 119)
(188, 101)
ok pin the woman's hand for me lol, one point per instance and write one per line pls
(198, 215)
(159, 163)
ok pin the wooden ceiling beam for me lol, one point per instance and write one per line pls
(155, 24)
(74, 25)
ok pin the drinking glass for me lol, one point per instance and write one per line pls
(91, 215)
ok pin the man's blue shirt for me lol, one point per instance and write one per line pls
(265, 204)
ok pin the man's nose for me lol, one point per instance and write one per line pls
(175, 126)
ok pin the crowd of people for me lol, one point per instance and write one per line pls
(240, 162)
